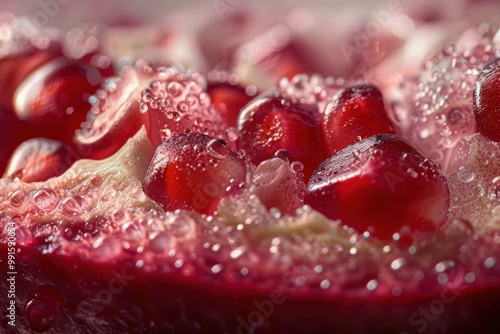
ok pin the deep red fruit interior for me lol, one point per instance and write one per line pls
(272, 123)
(355, 113)
(380, 185)
(487, 101)
(40, 159)
(193, 172)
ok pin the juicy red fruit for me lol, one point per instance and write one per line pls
(229, 100)
(271, 123)
(355, 112)
(380, 184)
(487, 101)
(55, 96)
(40, 159)
(193, 172)
(115, 116)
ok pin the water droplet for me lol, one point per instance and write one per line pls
(268, 171)
(41, 313)
(106, 249)
(118, 216)
(297, 166)
(232, 134)
(45, 200)
(132, 232)
(218, 149)
(236, 253)
(17, 198)
(281, 154)
(162, 242)
(23, 236)
(96, 181)
(403, 239)
(73, 206)
(181, 226)
(175, 89)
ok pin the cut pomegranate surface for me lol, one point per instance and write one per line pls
(195, 201)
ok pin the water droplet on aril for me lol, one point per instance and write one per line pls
(45, 200)
(41, 313)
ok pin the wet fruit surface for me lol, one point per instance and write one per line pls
(203, 193)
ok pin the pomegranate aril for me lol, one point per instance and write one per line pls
(115, 116)
(19, 64)
(177, 102)
(229, 99)
(53, 99)
(355, 113)
(273, 122)
(40, 159)
(487, 101)
(381, 183)
(193, 172)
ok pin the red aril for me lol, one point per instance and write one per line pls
(487, 101)
(228, 97)
(273, 122)
(40, 159)
(355, 113)
(21, 60)
(177, 102)
(115, 116)
(193, 172)
(53, 99)
(379, 185)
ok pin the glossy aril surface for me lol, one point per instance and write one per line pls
(355, 113)
(40, 159)
(55, 96)
(18, 62)
(271, 123)
(178, 101)
(193, 172)
(487, 101)
(114, 116)
(380, 185)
